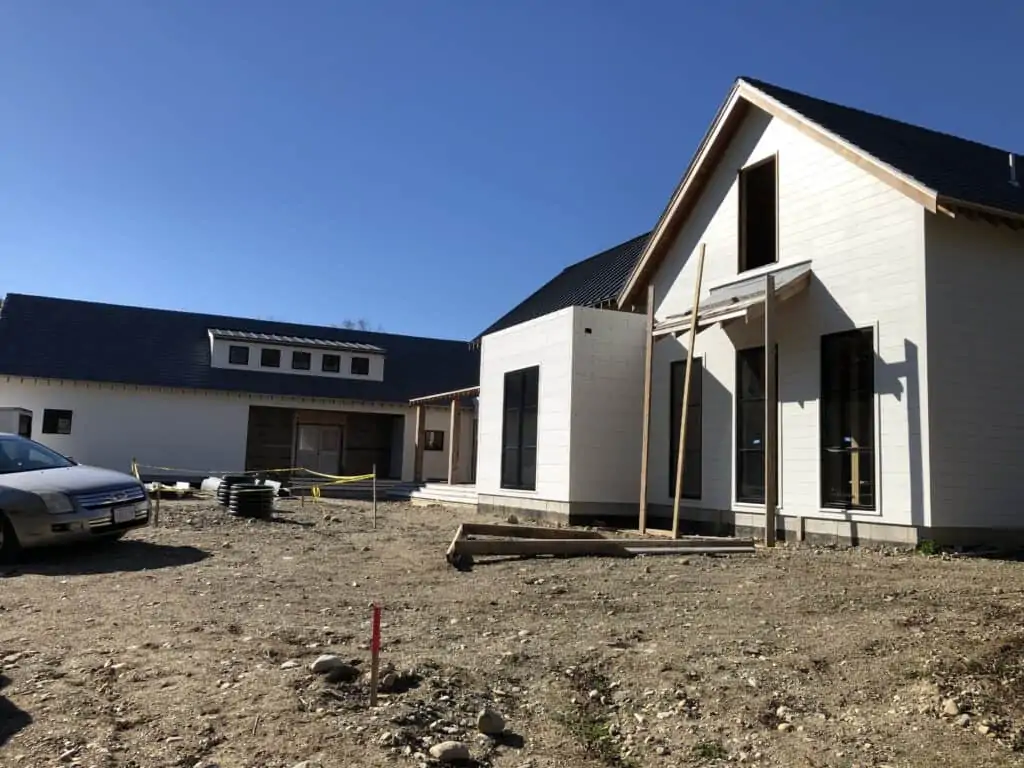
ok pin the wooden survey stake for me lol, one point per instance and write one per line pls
(374, 655)
(694, 322)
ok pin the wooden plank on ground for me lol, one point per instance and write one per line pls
(583, 547)
(526, 531)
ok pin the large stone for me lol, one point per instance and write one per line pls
(490, 722)
(450, 752)
(334, 669)
(950, 708)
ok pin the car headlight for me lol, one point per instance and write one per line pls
(57, 503)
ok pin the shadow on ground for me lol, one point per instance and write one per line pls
(12, 719)
(116, 557)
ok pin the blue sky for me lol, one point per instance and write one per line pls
(421, 164)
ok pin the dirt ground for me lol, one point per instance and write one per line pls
(190, 645)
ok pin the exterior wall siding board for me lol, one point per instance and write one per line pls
(974, 274)
(865, 242)
(607, 410)
(189, 430)
(548, 342)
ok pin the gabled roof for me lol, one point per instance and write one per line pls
(593, 282)
(943, 173)
(52, 338)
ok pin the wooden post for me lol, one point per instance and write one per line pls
(648, 380)
(418, 440)
(771, 414)
(454, 427)
(694, 322)
(375, 497)
(156, 510)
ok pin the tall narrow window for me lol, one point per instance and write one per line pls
(692, 465)
(750, 423)
(519, 429)
(758, 215)
(847, 420)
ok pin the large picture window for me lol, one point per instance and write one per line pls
(519, 429)
(692, 468)
(750, 423)
(847, 420)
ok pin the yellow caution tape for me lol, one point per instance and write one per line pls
(335, 479)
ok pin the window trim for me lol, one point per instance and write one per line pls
(352, 365)
(232, 348)
(835, 508)
(330, 356)
(426, 442)
(673, 433)
(748, 502)
(741, 240)
(53, 428)
(519, 485)
(309, 360)
(263, 357)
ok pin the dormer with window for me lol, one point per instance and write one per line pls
(295, 355)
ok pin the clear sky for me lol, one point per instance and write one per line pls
(421, 164)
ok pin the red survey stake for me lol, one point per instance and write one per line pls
(374, 655)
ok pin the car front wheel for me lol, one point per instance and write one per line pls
(9, 546)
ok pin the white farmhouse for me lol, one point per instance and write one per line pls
(187, 394)
(897, 256)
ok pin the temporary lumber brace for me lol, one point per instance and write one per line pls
(648, 379)
(686, 394)
(771, 411)
(531, 541)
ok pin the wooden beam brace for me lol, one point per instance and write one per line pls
(454, 428)
(771, 412)
(419, 440)
(686, 393)
(648, 382)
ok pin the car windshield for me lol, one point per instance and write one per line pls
(20, 455)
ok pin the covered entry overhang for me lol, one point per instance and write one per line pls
(454, 398)
(736, 301)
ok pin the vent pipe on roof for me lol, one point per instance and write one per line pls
(1013, 170)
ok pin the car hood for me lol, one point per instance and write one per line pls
(74, 479)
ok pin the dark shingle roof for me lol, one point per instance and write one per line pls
(85, 341)
(588, 283)
(953, 167)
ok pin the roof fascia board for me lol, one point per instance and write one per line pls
(1014, 220)
(910, 187)
(687, 181)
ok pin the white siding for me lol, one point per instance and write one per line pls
(547, 342)
(205, 431)
(975, 272)
(607, 406)
(866, 245)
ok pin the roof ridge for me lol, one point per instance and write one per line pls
(760, 84)
(217, 317)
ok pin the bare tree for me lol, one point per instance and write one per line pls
(357, 325)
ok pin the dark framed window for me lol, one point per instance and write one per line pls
(360, 366)
(301, 361)
(847, 419)
(56, 422)
(270, 358)
(238, 355)
(692, 464)
(433, 440)
(519, 429)
(758, 215)
(331, 364)
(750, 423)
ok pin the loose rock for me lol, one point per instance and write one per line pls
(950, 708)
(449, 751)
(490, 723)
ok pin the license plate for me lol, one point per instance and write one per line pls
(124, 514)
